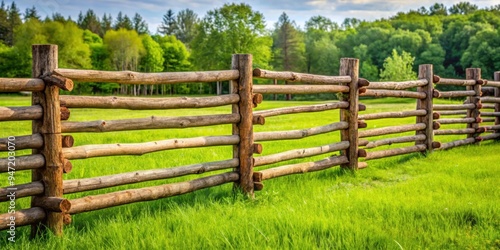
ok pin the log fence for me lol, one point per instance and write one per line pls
(52, 152)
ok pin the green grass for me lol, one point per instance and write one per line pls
(447, 200)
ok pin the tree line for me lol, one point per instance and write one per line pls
(451, 38)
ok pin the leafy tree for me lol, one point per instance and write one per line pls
(57, 17)
(186, 26)
(483, 52)
(398, 67)
(438, 9)
(140, 24)
(367, 69)
(288, 45)
(169, 24)
(463, 8)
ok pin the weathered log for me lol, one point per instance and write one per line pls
(453, 94)
(303, 167)
(362, 165)
(298, 134)
(22, 217)
(89, 151)
(399, 114)
(34, 112)
(54, 204)
(395, 151)
(22, 142)
(300, 153)
(300, 77)
(457, 143)
(350, 67)
(130, 77)
(488, 106)
(488, 91)
(96, 202)
(457, 120)
(390, 141)
(21, 84)
(135, 103)
(492, 127)
(453, 107)
(475, 74)
(22, 190)
(496, 77)
(23, 163)
(81, 185)
(492, 136)
(302, 109)
(299, 89)
(397, 85)
(495, 83)
(394, 93)
(453, 112)
(455, 131)
(152, 122)
(459, 82)
(490, 114)
(59, 81)
(391, 130)
(489, 99)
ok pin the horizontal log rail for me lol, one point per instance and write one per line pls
(152, 122)
(89, 151)
(491, 128)
(459, 82)
(493, 84)
(457, 143)
(489, 99)
(397, 85)
(21, 84)
(488, 106)
(400, 114)
(491, 136)
(22, 190)
(456, 120)
(300, 77)
(455, 131)
(299, 89)
(80, 185)
(395, 151)
(487, 119)
(300, 153)
(300, 168)
(299, 134)
(34, 112)
(137, 103)
(23, 163)
(483, 114)
(96, 202)
(23, 217)
(453, 94)
(391, 130)
(130, 77)
(394, 93)
(22, 142)
(453, 106)
(301, 109)
(453, 112)
(389, 141)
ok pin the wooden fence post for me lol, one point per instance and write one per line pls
(244, 150)
(497, 105)
(44, 62)
(475, 74)
(425, 71)
(350, 67)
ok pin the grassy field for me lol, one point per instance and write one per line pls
(447, 200)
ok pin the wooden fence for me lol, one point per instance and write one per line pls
(52, 151)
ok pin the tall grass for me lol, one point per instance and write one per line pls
(447, 200)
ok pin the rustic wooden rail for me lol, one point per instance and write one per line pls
(53, 152)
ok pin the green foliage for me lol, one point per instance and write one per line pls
(125, 49)
(398, 67)
(288, 46)
(153, 59)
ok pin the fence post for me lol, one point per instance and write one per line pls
(244, 150)
(426, 72)
(44, 62)
(475, 74)
(497, 105)
(350, 67)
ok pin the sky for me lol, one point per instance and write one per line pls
(299, 11)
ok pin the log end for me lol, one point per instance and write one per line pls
(67, 166)
(479, 120)
(257, 98)
(436, 125)
(258, 186)
(257, 72)
(67, 219)
(257, 176)
(436, 144)
(436, 93)
(362, 124)
(479, 139)
(68, 141)
(65, 113)
(362, 153)
(362, 90)
(259, 119)
(361, 107)
(480, 130)
(362, 82)
(482, 82)
(65, 205)
(257, 148)
(479, 105)
(436, 78)
(436, 115)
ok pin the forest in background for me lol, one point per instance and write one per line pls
(451, 38)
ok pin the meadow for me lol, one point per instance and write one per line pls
(445, 200)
